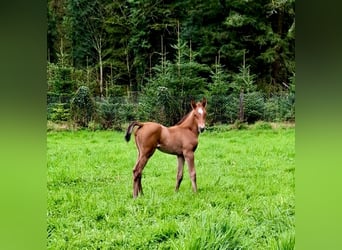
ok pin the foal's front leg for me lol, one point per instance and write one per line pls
(190, 160)
(180, 159)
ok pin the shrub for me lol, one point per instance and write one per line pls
(82, 107)
(59, 113)
(108, 113)
(280, 108)
(222, 108)
(105, 113)
(112, 112)
(58, 106)
(60, 126)
(225, 108)
(287, 107)
(271, 109)
(232, 108)
(60, 78)
(239, 125)
(93, 125)
(128, 111)
(253, 106)
(159, 104)
(262, 125)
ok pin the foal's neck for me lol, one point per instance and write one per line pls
(189, 122)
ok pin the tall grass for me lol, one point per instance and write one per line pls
(245, 196)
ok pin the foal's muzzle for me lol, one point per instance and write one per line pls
(201, 129)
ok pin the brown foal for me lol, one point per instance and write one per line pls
(180, 140)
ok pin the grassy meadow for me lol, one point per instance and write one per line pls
(245, 196)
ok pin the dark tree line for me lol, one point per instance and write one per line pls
(170, 51)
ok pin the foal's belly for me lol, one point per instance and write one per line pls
(176, 143)
(170, 143)
(169, 149)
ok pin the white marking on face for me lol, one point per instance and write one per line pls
(200, 111)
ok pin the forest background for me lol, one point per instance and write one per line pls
(111, 62)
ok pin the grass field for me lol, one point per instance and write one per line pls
(245, 196)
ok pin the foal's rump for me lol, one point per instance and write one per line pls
(145, 131)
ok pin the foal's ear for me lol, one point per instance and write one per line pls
(204, 102)
(193, 104)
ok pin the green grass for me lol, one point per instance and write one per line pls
(245, 196)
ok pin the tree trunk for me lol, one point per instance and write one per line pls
(101, 74)
(129, 73)
(241, 110)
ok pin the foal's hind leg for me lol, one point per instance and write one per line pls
(180, 159)
(137, 171)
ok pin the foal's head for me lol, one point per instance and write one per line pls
(199, 113)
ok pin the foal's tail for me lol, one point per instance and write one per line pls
(130, 129)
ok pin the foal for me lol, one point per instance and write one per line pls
(180, 140)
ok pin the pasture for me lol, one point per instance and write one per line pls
(245, 198)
